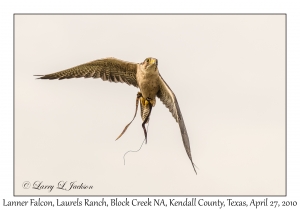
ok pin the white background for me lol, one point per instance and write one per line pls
(213, 7)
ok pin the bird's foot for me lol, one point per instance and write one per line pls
(139, 95)
(142, 101)
(148, 100)
(152, 102)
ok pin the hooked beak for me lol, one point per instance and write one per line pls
(153, 61)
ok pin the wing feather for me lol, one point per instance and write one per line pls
(168, 98)
(108, 69)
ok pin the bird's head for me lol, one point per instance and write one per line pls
(150, 64)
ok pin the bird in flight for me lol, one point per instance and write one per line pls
(144, 76)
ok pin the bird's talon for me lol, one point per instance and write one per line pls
(152, 102)
(142, 100)
(139, 94)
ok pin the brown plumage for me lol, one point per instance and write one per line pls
(144, 76)
(111, 69)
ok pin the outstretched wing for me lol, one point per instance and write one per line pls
(111, 69)
(168, 98)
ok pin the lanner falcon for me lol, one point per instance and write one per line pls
(144, 76)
